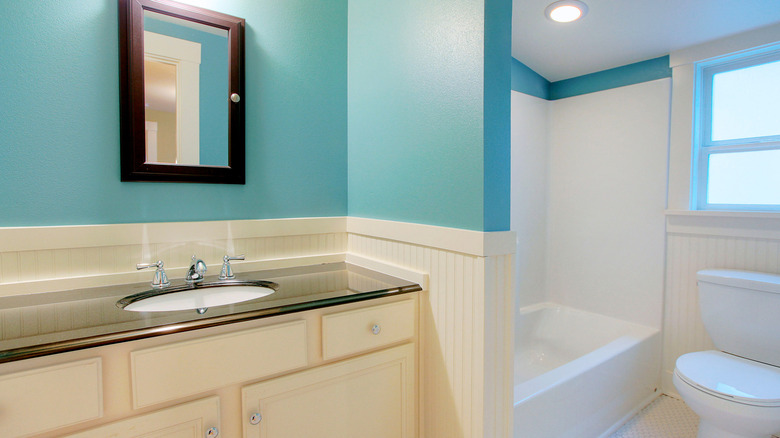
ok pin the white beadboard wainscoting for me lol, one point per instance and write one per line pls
(708, 240)
(465, 359)
(466, 329)
(43, 259)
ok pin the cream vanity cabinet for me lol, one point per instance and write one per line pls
(199, 419)
(344, 371)
(371, 395)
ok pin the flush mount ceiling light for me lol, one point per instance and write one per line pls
(566, 11)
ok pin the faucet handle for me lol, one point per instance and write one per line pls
(160, 279)
(227, 270)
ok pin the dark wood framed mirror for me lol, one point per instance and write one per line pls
(181, 102)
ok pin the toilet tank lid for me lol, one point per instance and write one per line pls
(744, 279)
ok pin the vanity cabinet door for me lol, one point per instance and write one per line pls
(367, 396)
(199, 419)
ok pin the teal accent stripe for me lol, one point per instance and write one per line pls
(630, 74)
(497, 115)
(527, 81)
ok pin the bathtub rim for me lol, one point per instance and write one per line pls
(635, 334)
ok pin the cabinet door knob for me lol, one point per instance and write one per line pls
(212, 433)
(255, 418)
(376, 329)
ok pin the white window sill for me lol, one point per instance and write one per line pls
(750, 224)
(725, 213)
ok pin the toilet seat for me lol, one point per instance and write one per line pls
(731, 377)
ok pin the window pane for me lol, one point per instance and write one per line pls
(744, 178)
(745, 102)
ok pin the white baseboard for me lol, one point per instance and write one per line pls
(646, 401)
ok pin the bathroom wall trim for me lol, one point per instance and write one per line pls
(757, 225)
(84, 236)
(477, 243)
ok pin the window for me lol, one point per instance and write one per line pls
(737, 133)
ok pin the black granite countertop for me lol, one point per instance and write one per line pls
(56, 322)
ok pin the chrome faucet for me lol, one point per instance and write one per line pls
(227, 270)
(196, 272)
(160, 279)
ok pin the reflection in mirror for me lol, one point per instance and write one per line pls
(161, 123)
(180, 66)
(185, 80)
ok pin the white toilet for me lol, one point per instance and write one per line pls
(735, 391)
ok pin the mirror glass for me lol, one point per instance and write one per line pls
(185, 81)
(182, 79)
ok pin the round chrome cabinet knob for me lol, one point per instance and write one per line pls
(255, 418)
(376, 329)
(235, 98)
(212, 433)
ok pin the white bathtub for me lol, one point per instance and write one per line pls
(580, 374)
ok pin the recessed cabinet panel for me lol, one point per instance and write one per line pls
(354, 331)
(190, 420)
(48, 398)
(178, 370)
(368, 396)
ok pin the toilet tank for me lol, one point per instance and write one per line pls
(741, 312)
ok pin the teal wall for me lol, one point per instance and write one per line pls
(429, 111)
(497, 114)
(638, 72)
(59, 117)
(419, 133)
(527, 81)
(213, 90)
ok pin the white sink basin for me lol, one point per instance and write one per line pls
(199, 297)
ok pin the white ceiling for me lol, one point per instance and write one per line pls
(620, 32)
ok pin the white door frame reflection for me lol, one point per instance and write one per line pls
(172, 96)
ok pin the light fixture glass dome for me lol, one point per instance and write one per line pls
(566, 11)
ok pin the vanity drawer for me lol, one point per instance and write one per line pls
(192, 419)
(186, 368)
(52, 397)
(354, 331)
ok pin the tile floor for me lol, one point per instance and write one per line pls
(665, 417)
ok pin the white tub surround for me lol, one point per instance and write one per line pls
(530, 161)
(580, 374)
(605, 221)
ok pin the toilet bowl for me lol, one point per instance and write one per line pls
(734, 397)
(735, 391)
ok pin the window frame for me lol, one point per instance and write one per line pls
(704, 146)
